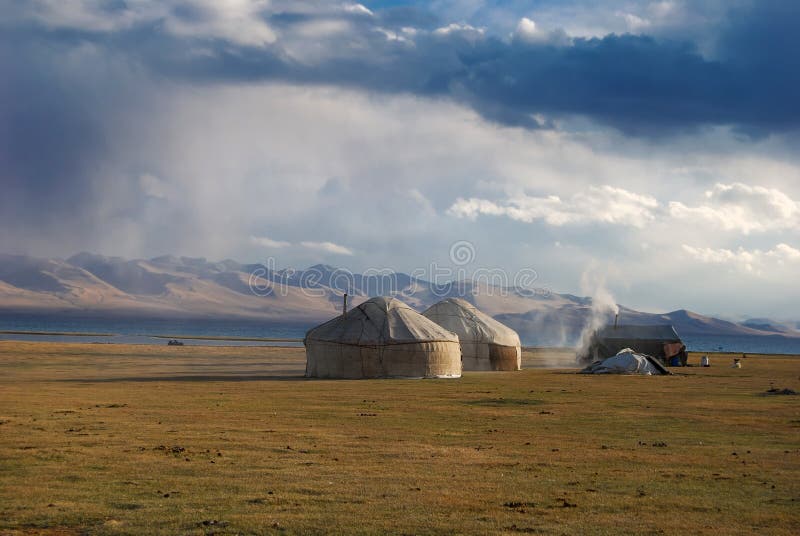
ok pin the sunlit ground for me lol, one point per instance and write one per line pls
(113, 439)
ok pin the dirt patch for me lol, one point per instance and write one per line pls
(126, 506)
(519, 506)
(524, 530)
(175, 450)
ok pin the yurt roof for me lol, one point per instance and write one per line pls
(470, 323)
(659, 332)
(380, 321)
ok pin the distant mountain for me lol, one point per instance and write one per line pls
(773, 326)
(170, 286)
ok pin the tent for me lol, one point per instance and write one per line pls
(486, 344)
(659, 341)
(382, 338)
(627, 362)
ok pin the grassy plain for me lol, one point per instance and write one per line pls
(116, 439)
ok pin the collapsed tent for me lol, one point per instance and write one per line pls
(486, 344)
(382, 338)
(660, 341)
(627, 362)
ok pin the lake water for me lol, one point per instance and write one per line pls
(142, 331)
(771, 344)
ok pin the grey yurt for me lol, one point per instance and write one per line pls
(659, 341)
(382, 338)
(486, 344)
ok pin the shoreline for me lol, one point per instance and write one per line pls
(555, 349)
(224, 338)
(57, 333)
(185, 337)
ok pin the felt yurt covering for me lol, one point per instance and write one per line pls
(627, 361)
(486, 344)
(660, 341)
(382, 338)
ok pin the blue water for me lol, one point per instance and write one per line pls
(140, 331)
(771, 344)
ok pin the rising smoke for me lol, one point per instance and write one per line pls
(604, 307)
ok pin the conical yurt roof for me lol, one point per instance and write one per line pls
(471, 324)
(380, 321)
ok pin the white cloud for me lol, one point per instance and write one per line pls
(462, 29)
(785, 252)
(358, 9)
(719, 256)
(633, 22)
(604, 204)
(753, 261)
(268, 242)
(528, 31)
(328, 247)
(393, 36)
(744, 208)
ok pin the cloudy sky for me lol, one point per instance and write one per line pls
(656, 142)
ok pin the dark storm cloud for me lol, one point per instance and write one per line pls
(46, 132)
(761, 47)
(637, 84)
(634, 83)
(61, 101)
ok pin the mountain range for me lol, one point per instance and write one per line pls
(183, 287)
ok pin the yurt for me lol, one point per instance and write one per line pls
(660, 341)
(486, 344)
(382, 338)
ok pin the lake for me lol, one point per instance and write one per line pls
(143, 331)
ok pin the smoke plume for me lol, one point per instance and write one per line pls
(603, 310)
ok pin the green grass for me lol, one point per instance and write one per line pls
(114, 439)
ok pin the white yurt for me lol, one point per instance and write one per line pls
(486, 344)
(382, 338)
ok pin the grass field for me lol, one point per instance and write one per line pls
(114, 439)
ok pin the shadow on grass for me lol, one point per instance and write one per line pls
(502, 402)
(188, 378)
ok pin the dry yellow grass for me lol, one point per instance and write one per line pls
(112, 439)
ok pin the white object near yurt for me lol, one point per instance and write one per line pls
(486, 344)
(627, 362)
(382, 338)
